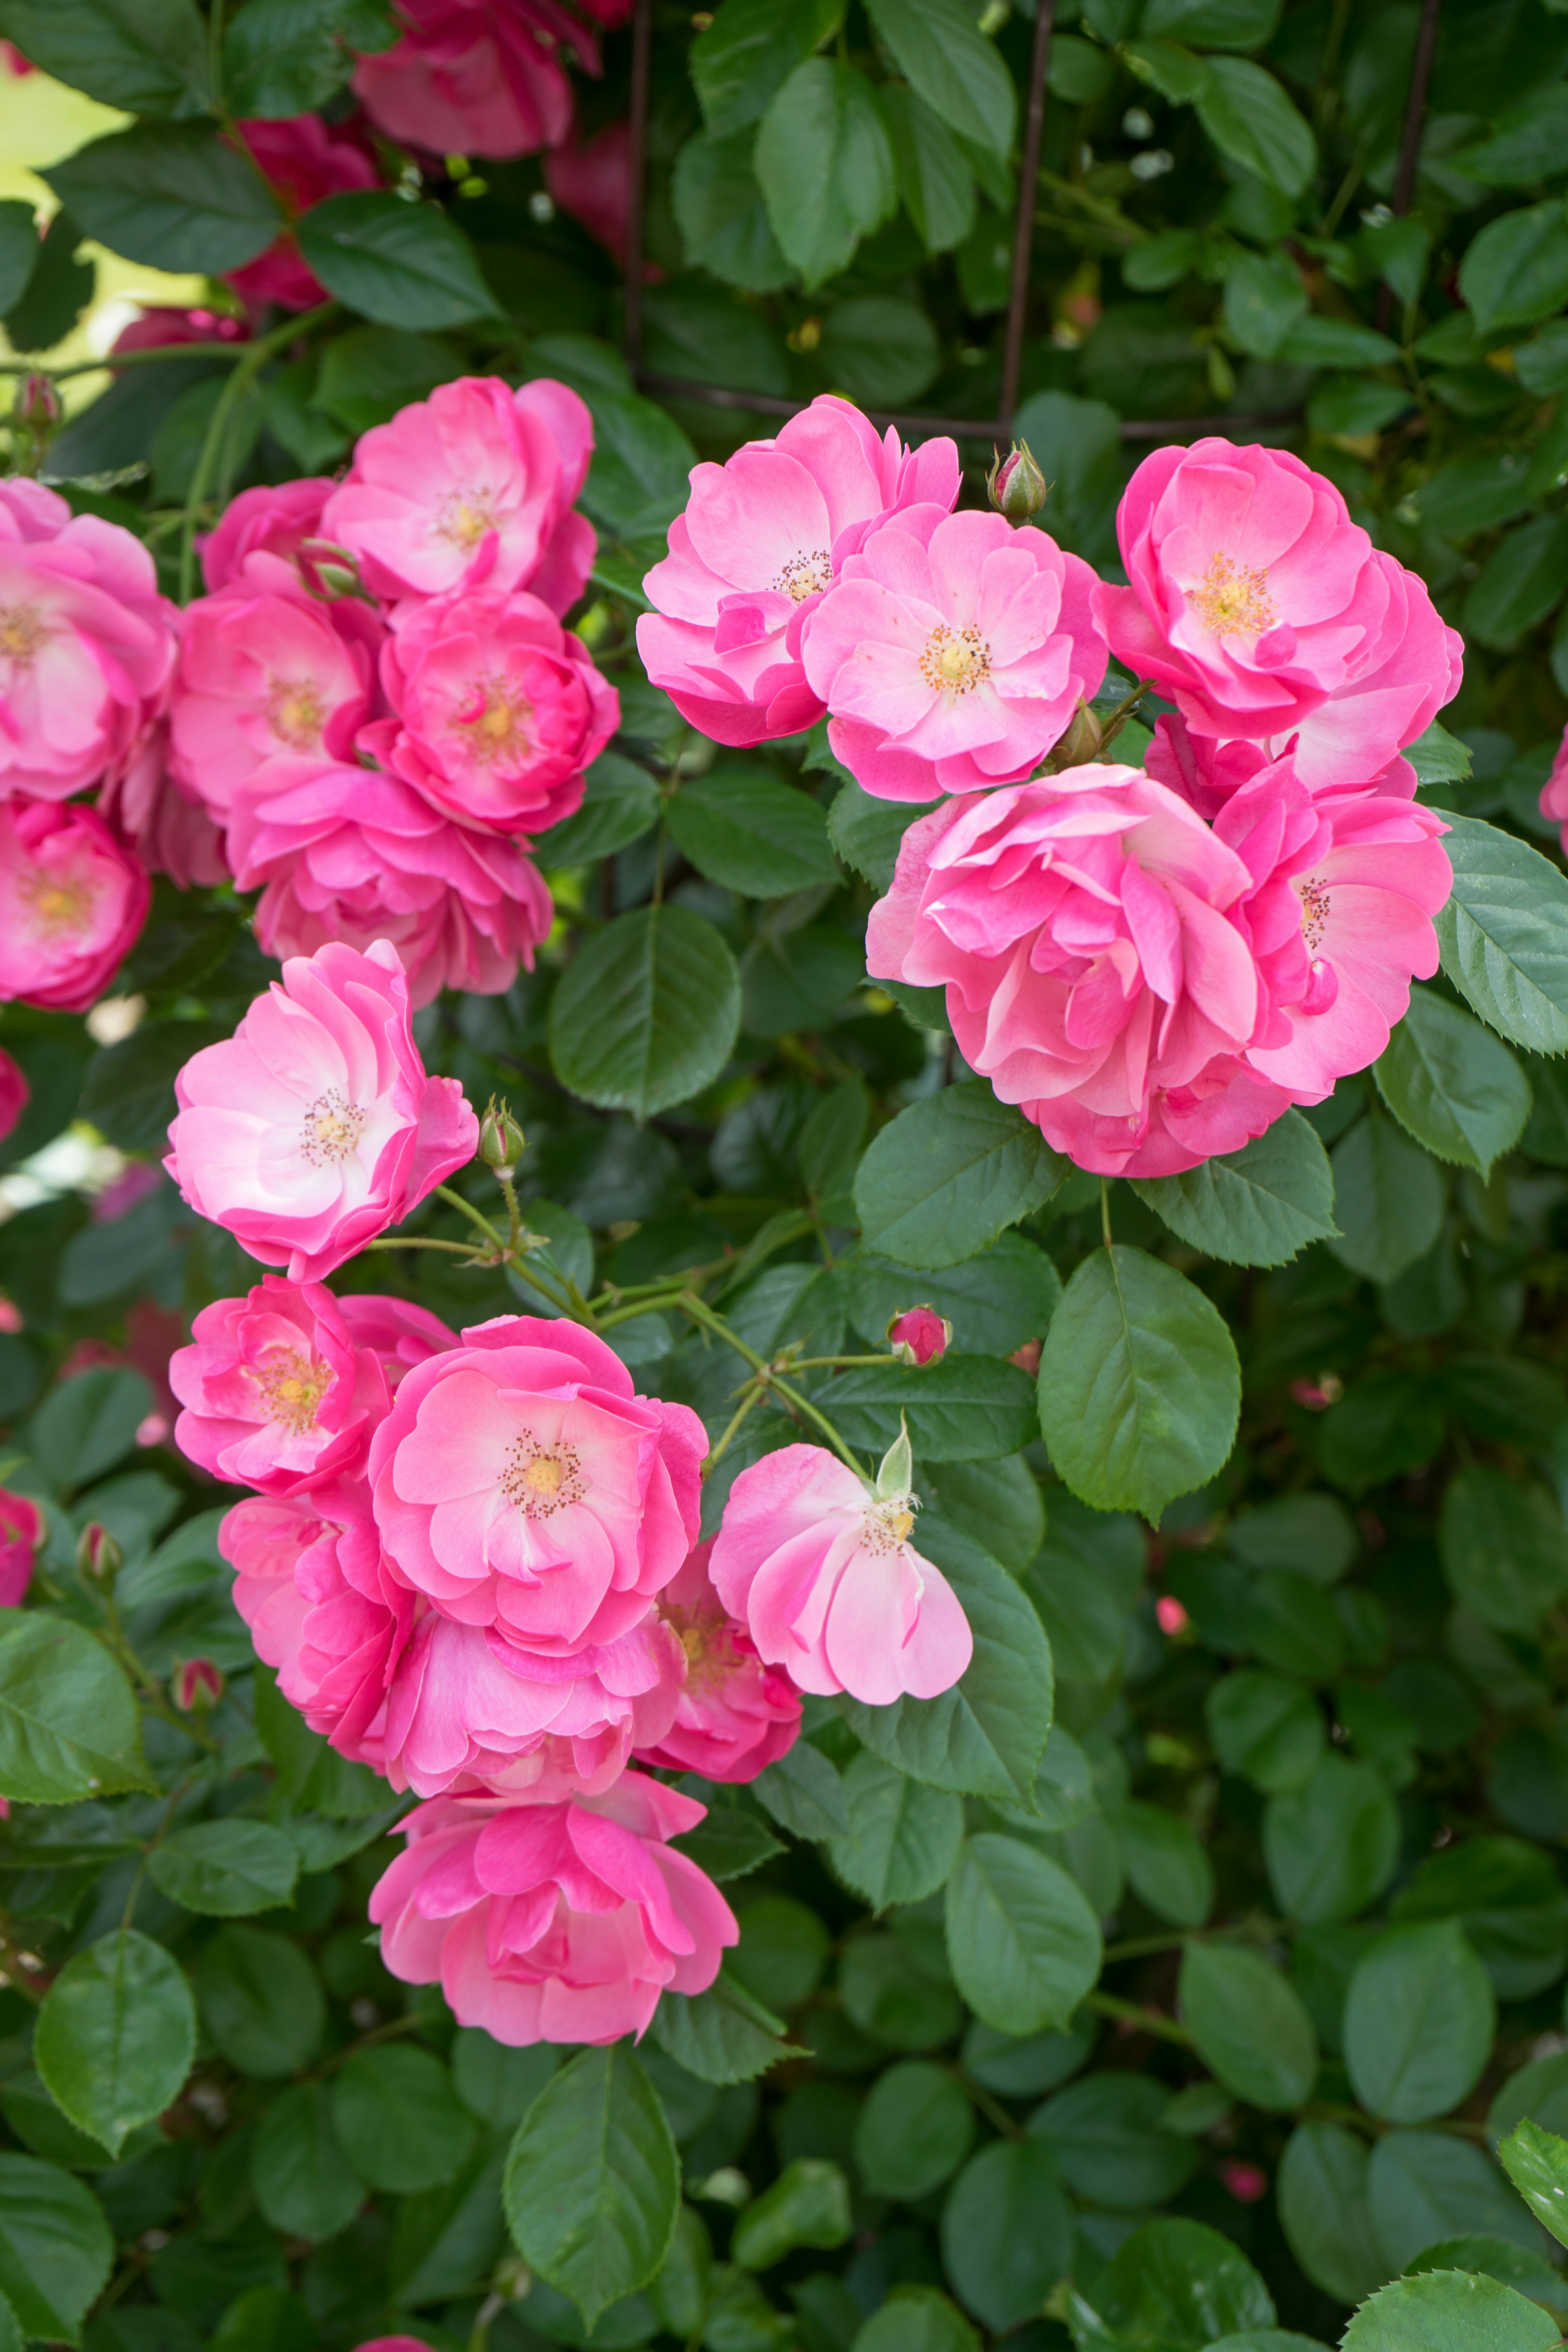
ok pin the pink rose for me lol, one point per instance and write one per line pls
(1554, 790)
(163, 323)
(270, 519)
(1081, 925)
(276, 1394)
(315, 1126)
(349, 854)
(590, 179)
(305, 161)
(554, 1922)
(1263, 612)
(472, 489)
(734, 1717)
(822, 1573)
(169, 830)
(14, 1094)
(265, 668)
(474, 78)
(86, 644)
(397, 1333)
(499, 711)
(71, 903)
(761, 539)
(952, 653)
(521, 1482)
(21, 1533)
(919, 1335)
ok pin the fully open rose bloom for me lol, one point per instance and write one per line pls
(554, 1922)
(163, 821)
(315, 1126)
(762, 538)
(734, 1716)
(521, 1482)
(824, 1575)
(72, 904)
(276, 1394)
(306, 160)
(474, 78)
(952, 654)
(471, 489)
(1263, 611)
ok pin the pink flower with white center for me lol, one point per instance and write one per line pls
(822, 1571)
(1083, 928)
(466, 1711)
(272, 519)
(72, 904)
(86, 644)
(1263, 612)
(919, 1335)
(276, 1394)
(305, 158)
(734, 1716)
(14, 1094)
(499, 711)
(520, 1482)
(952, 654)
(762, 538)
(21, 1533)
(315, 1126)
(554, 1922)
(398, 1333)
(475, 77)
(166, 826)
(265, 669)
(348, 854)
(471, 489)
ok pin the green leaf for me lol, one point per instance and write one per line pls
(959, 1409)
(286, 57)
(948, 62)
(866, 832)
(1264, 1727)
(1504, 1548)
(1023, 1943)
(147, 57)
(914, 2130)
(86, 1425)
(825, 163)
(1450, 2311)
(129, 1091)
(1264, 296)
(1310, 1535)
(751, 48)
(729, 1843)
(19, 251)
(68, 1722)
(1140, 1389)
(917, 2319)
(720, 214)
(400, 264)
(260, 2002)
(934, 180)
(1006, 2231)
(1332, 1844)
(1419, 2019)
(1248, 116)
(1388, 1197)
(997, 1503)
(56, 2249)
(1214, 24)
(1322, 2193)
(304, 2183)
(1504, 934)
(939, 1182)
(1451, 1084)
(637, 481)
(647, 1013)
(313, 1775)
(116, 2035)
(804, 1792)
(1515, 270)
(1536, 2161)
(620, 805)
(1177, 2284)
(722, 2036)
(1249, 2025)
(995, 1302)
(592, 2181)
(1107, 2136)
(172, 195)
(399, 2119)
(903, 1839)
(1258, 1206)
(1522, 581)
(225, 1868)
(808, 2205)
(881, 348)
(744, 829)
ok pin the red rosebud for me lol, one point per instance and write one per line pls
(198, 1685)
(1017, 486)
(1247, 2183)
(919, 1335)
(21, 1533)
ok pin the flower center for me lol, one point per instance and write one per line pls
(466, 515)
(494, 715)
(294, 712)
(540, 1480)
(61, 906)
(1232, 602)
(291, 1388)
(332, 1129)
(1315, 903)
(806, 576)
(888, 1526)
(955, 661)
(22, 632)
(704, 1635)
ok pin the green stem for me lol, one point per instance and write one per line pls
(1140, 1948)
(456, 1201)
(248, 362)
(1105, 1211)
(1127, 2013)
(400, 1241)
(753, 1396)
(1118, 717)
(981, 2100)
(700, 1312)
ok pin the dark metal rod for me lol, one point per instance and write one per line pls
(1410, 143)
(636, 173)
(1023, 227)
(962, 428)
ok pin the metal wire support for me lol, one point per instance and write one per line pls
(1410, 142)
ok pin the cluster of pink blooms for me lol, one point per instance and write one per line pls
(473, 1558)
(1153, 963)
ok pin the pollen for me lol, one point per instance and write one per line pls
(22, 632)
(294, 712)
(1232, 601)
(888, 1526)
(1314, 897)
(465, 516)
(540, 1479)
(332, 1131)
(806, 576)
(61, 908)
(493, 718)
(955, 661)
(291, 1388)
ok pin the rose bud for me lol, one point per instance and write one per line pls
(198, 1685)
(98, 1556)
(919, 1335)
(1015, 484)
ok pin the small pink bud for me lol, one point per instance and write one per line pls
(152, 1429)
(21, 1533)
(1017, 486)
(1172, 1617)
(1247, 2183)
(1320, 1394)
(98, 1557)
(198, 1685)
(328, 569)
(10, 1315)
(919, 1335)
(36, 405)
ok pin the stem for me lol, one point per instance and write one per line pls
(505, 1178)
(700, 1312)
(1105, 1211)
(456, 1201)
(463, 1249)
(1123, 712)
(981, 2100)
(1139, 1947)
(753, 1396)
(248, 362)
(1127, 2013)
(491, 2308)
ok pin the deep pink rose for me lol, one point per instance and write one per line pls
(276, 1394)
(824, 1575)
(14, 1094)
(71, 903)
(315, 1126)
(554, 1922)
(163, 323)
(1263, 612)
(1554, 790)
(398, 1334)
(21, 1533)
(952, 653)
(472, 489)
(305, 159)
(499, 711)
(521, 1482)
(734, 1717)
(86, 644)
(762, 538)
(265, 668)
(475, 77)
(349, 854)
(270, 520)
(919, 1335)
(168, 829)
(591, 179)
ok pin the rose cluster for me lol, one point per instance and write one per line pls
(473, 1559)
(1153, 963)
(376, 704)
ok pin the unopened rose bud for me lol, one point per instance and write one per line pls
(919, 1335)
(98, 1556)
(1081, 741)
(328, 569)
(35, 406)
(500, 1138)
(1016, 485)
(198, 1685)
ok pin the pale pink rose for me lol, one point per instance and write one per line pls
(591, 179)
(398, 1333)
(1082, 928)
(349, 854)
(919, 1335)
(761, 539)
(554, 1922)
(466, 1711)
(734, 1716)
(471, 489)
(164, 324)
(1263, 612)
(168, 828)
(71, 903)
(822, 1572)
(520, 1482)
(304, 160)
(276, 1394)
(14, 1094)
(315, 1126)
(498, 709)
(952, 653)
(1554, 790)
(272, 519)
(86, 644)
(21, 1533)
(475, 77)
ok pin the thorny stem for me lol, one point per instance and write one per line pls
(756, 1389)
(1123, 710)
